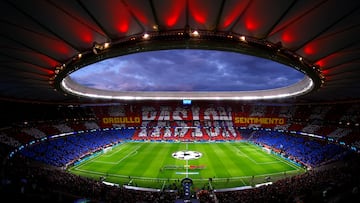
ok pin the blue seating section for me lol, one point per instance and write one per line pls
(61, 151)
(309, 152)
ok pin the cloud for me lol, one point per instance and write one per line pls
(186, 70)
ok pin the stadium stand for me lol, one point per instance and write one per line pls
(329, 155)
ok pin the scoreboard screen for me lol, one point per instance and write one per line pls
(186, 101)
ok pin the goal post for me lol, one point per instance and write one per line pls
(268, 150)
(107, 149)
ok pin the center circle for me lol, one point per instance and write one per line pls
(186, 155)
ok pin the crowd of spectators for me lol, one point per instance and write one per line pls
(309, 152)
(26, 181)
(35, 174)
(64, 150)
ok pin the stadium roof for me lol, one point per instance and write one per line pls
(40, 40)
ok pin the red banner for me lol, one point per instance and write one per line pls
(122, 120)
(259, 120)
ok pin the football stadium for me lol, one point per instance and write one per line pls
(179, 101)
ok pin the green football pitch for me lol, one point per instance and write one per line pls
(160, 164)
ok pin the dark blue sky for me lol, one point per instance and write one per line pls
(186, 70)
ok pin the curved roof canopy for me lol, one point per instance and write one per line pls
(44, 41)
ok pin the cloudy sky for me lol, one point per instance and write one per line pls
(186, 70)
